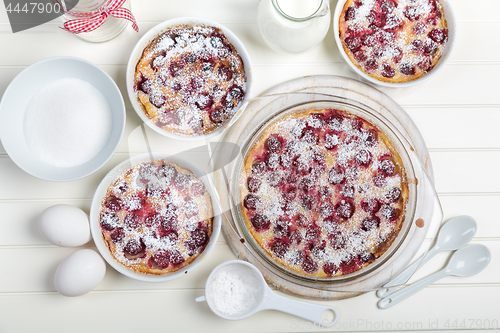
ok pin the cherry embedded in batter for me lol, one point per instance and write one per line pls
(161, 259)
(260, 222)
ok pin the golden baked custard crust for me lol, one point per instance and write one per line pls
(324, 192)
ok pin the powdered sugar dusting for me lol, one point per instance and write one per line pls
(153, 209)
(191, 80)
(314, 200)
(394, 40)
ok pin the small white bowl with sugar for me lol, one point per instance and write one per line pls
(61, 119)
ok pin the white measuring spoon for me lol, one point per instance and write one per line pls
(467, 261)
(453, 235)
(263, 298)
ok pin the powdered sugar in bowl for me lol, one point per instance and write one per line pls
(81, 99)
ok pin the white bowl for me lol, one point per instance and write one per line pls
(452, 30)
(28, 83)
(158, 30)
(111, 177)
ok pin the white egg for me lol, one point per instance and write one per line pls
(65, 225)
(79, 273)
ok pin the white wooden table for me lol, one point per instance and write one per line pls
(458, 113)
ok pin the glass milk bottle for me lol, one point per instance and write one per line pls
(293, 26)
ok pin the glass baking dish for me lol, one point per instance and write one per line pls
(422, 206)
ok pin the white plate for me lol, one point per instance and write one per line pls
(111, 177)
(158, 30)
(452, 31)
(19, 93)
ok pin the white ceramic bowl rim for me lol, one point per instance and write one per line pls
(154, 32)
(26, 84)
(448, 49)
(101, 192)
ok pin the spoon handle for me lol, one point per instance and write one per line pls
(404, 293)
(309, 311)
(402, 277)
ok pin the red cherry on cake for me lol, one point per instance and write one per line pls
(387, 167)
(118, 235)
(417, 46)
(318, 248)
(182, 180)
(344, 209)
(329, 268)
(252, 202)
(133, 247)
(282, 226)
(326, 209)
(335, 122)
(371, 65)
(350, 13)
(198, 189)
(389, 212)
(274, 143)
(307, 202)
(204, 101)
(295, 237)
(412, 13)
(387, 70)
(274, 179)
(176, 258)
(369, 223)
(254, 184)
(348, 191)
(407, 69)
(394, 194)
(114, 204)
(190, 208)
(259, 167)
(169, 222)
(260, 222)
(161, 259)
(301, 166)
(363, 157)
(175, 68)
(309, 265)
(168, 172)
(132, 221)
(158, 99)
(310, 136)
(217, 114)
(353, 43)
(331, 140)
(109, 221)
(312, 232)
(370, 206)
(272, 160)
(279, 246)
(336, 175)
(418, 28)
(337, 240)
(438, 35)
(199, 236)
(224, 73)
(301, 221)
(145, 85)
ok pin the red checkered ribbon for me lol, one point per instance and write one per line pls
(97, 18)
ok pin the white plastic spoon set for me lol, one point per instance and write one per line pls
(465, 261)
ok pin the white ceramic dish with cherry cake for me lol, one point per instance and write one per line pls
(155, 219)
(187, 78)
(395, 43)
